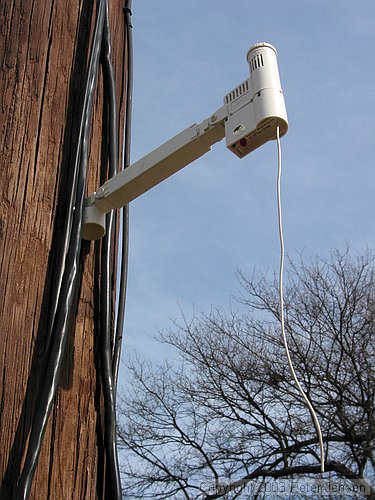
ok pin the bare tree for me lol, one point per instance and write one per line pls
(225, 418)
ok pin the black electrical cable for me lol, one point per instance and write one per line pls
(109, 362)
(66, 290)
(124, 213)
(70, 210)
(113, 471)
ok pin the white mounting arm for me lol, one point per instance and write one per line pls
(150, 170)
(248, 119)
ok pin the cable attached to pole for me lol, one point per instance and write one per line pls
(111, 351)
(68, 277)
(282, 319)
(124, 212)
(106, 270)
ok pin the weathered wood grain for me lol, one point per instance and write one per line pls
(43, 53)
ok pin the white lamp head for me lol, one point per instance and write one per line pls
(256, 106)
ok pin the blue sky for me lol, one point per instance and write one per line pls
(189, 235)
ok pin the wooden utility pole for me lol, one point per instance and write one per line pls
(43, 54)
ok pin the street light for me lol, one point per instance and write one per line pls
(248, 119)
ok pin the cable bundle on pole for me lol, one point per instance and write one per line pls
(106, 270)
(110, 345)
(68, 276)
(67, 273)
(124, 212)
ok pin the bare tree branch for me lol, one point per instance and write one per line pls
(226, 413)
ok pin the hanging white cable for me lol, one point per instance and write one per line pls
(282, 321)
